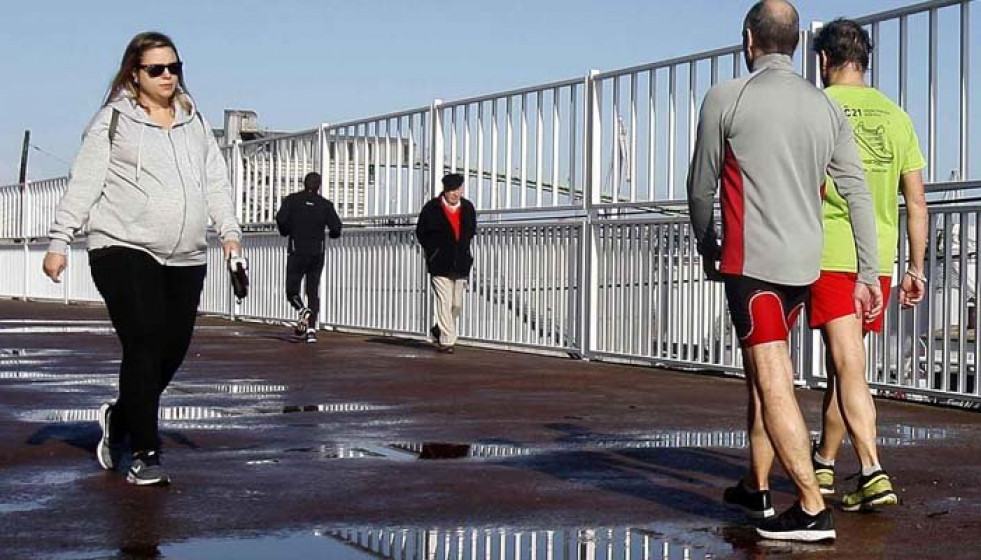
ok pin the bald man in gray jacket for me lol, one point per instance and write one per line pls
(770, 138)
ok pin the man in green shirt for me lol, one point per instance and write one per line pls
(892, 160)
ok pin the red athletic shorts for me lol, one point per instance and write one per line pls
(831, 298)
(761, 311)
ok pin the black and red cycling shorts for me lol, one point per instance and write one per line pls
(762, 311)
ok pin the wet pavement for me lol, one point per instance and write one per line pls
(369, 447)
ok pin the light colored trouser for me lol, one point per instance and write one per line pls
(447, 305)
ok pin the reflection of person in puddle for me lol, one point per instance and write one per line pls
(147, 179)
(445, 228)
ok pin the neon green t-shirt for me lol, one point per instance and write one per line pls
(889, 148)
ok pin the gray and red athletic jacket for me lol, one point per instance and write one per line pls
(772, 138)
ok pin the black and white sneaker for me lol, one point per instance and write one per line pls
(754, 503)
(795, 524)
(303, 322)
(107, 452)
(311, 336)
(146, 470)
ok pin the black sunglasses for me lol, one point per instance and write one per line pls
(157, 70)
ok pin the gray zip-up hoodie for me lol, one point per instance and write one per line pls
(770, 138)
(153, 189)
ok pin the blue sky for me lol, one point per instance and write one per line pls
(299, 63)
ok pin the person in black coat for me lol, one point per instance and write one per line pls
(445, 228)
(303, 217)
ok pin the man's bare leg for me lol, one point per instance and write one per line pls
(760, 449)
(832, 424)
(848, 402)
(782, 418)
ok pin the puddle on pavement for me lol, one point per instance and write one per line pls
(26, 505)
(183, 413)
(405, 451)
(442, 544)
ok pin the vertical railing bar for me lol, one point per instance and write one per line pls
(934, 77)
(556, 140)
(632, 152)
(672, 128)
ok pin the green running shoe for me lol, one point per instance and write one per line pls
(825, 477)
(873, 491)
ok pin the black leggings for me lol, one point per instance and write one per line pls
(308, 268)
(153, 308)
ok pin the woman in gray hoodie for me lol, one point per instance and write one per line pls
(146, 179)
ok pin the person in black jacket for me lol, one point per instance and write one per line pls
(445, 228)
(303, 217)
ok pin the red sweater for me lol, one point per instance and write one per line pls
(453, 215)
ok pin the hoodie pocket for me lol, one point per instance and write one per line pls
(120, 208)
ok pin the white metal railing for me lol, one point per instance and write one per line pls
(41, 199)
(270, 169)
(380, 166)
(520, 149)
(10, 211)
(525, 286)
(937, 97)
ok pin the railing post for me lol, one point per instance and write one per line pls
(593, 175)
(24, 231)
(238, 180)
(965, 91)
(811, 61)
(435, 148)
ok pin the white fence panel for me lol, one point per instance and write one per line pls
(379, 167)
(376, 280)
(525, 286)
(519, 150)
(271, 169)
(10, 212)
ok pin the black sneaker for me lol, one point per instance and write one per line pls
(311, 336)
(755, 503)
(107, 452)
(146, 470)
(434, 332)
(796, 525)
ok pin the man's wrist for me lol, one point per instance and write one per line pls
(916, 274)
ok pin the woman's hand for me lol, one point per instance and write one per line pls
(231, 248)
(54, 265)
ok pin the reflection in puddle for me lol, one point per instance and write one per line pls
(446, 544)
(58, 330)
(235, 388)
(20, 507)
(181, 413)
(508, 544)
(404, 451)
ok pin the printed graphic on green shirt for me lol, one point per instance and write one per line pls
(888, 146)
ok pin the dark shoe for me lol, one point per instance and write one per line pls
(303, 322)
(434, 332)
(444, 349)
(796, 525)
(106, 451)
(754, 503)
(873, 491)
(146, 470)
(311, 336)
